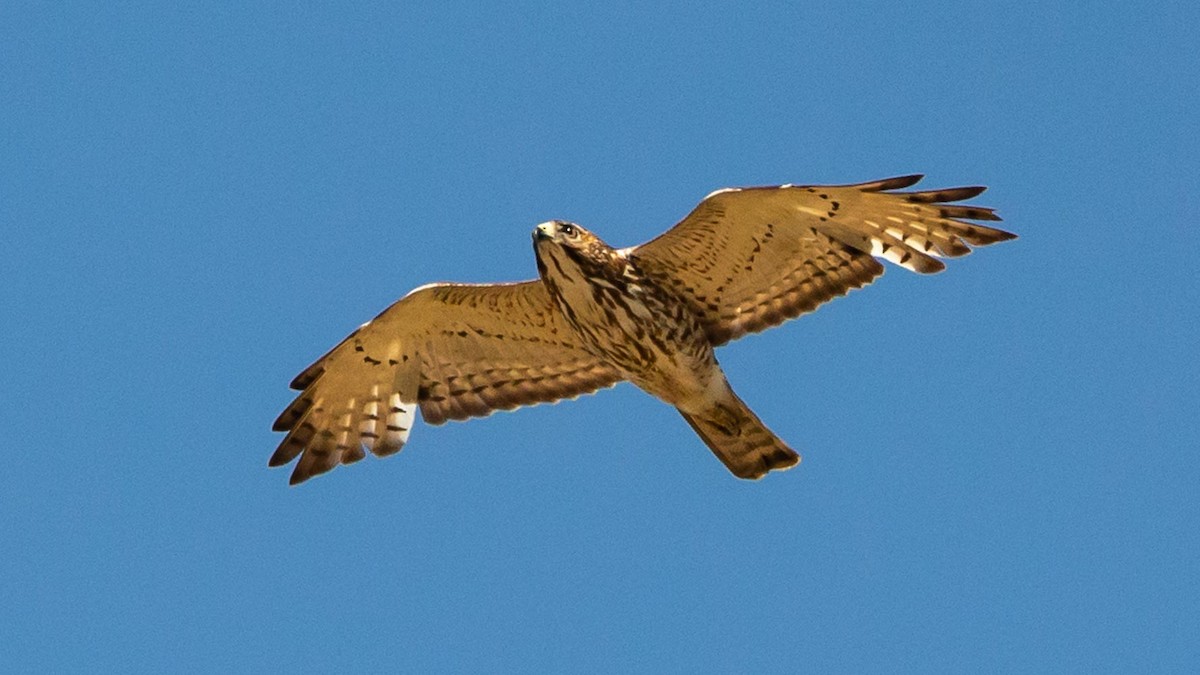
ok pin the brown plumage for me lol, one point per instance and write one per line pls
(744, 260)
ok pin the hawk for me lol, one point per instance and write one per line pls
(743, 260)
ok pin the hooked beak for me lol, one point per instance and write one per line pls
(543, 231)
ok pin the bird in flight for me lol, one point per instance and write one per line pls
(743, 260)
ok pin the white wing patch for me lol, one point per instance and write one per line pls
(382, 430)
(368, 429)
(399, 420)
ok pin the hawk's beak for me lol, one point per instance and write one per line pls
(543, 231)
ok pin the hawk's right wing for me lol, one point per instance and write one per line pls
(747, 259)
(456, 350)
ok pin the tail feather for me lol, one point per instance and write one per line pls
(740, 440)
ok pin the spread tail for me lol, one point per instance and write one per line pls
(740, 440)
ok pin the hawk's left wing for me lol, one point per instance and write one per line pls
(751, 258)
(455, 350)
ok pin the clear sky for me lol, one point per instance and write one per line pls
(1001, 462)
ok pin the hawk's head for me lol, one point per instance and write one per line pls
(570, 244)
(562, 233)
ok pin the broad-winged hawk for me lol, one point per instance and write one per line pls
(744, 260)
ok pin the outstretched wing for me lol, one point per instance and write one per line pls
(455, 350)
(750, 258)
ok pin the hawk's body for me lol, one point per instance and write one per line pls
(653, 339)
(641, 329)
(742, 261)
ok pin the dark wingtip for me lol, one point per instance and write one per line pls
(968, 212)
(979, 235)
(279, 458)
(292, 414)
(945, 194)
(893, 183)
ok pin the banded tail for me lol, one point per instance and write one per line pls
(740, 440)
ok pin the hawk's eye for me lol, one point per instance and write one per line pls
(567, 229)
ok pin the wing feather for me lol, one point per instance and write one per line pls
(747, 259)
(454, 350)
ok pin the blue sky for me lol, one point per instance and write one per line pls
(1001, 461)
